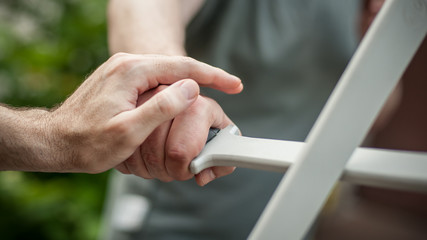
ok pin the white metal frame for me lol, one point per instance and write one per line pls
(404, 170)
(370, 77)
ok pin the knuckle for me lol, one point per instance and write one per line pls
(187, 63)
(198, 109)
(182, 59)
(178, 160)
(204, 103)
(119, 62)
(208, 110)
(119, 55)
(124, 64)
(177, 153)
(188, 60)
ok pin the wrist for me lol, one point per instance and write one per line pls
(26, 143)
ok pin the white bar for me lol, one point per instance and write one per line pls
(369, 78)
(392, 169)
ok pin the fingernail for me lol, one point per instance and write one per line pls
(240, 87)
(237, 79)
(190, 89)
(208, 176)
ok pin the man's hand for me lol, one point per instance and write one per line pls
(100, 125)
(168, 151)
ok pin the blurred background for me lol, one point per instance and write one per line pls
(47, 48)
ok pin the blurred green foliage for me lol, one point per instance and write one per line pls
(47, 48)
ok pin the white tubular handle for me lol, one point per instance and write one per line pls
(392, 169)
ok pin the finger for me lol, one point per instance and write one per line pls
(122, 168)
(188, 135)
(149, 94)
(222, 171)
(204, 74)
(162, 107)
(136, 166)
(169, 69)
(210, 174)
(153, 152)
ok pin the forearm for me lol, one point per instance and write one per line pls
(149, 26)
(24, 141)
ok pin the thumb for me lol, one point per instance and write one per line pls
(164, 106)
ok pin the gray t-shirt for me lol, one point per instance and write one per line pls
(289, 54)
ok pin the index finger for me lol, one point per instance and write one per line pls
(159, 69)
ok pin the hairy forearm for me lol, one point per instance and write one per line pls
(24, 142)
(149, 26)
